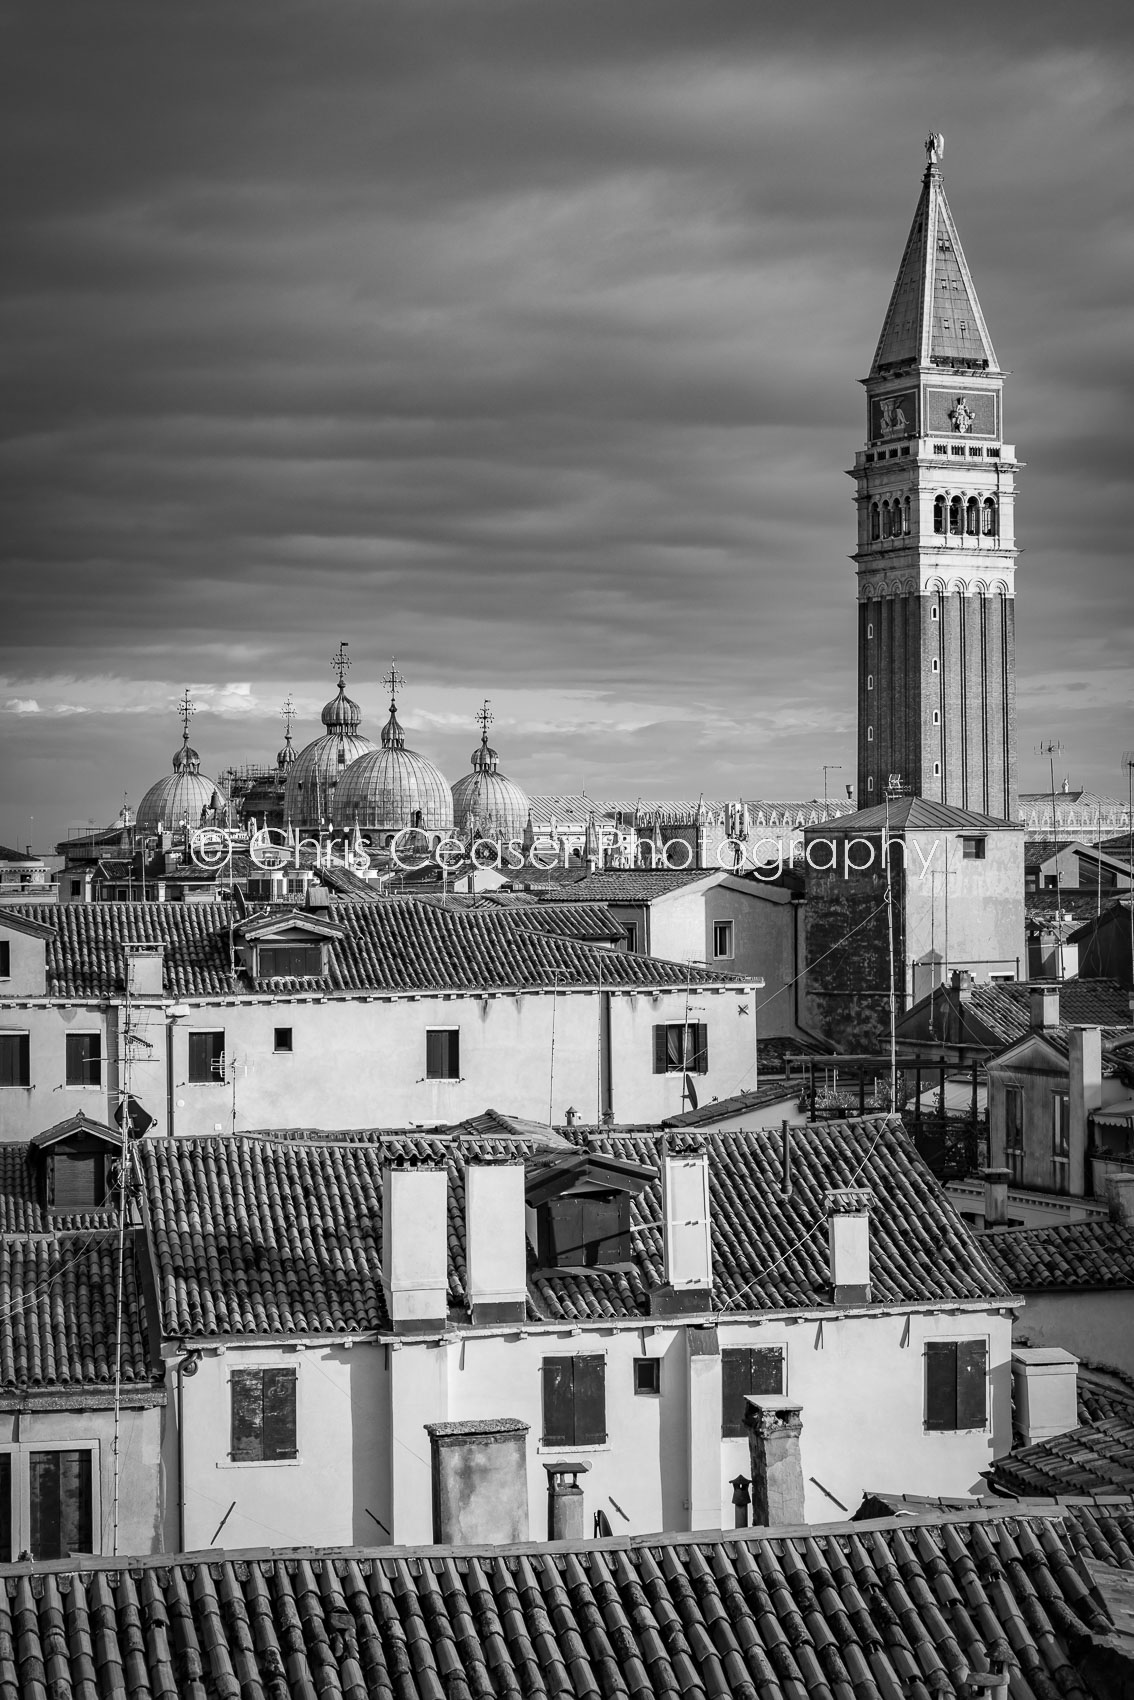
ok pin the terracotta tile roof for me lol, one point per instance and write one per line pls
(399, 946)
(587, 919)
(1096, 1458)
(256, 1235)
(1001, 1009)
(58, 1310)
(1074, 1254)
(919, 814)
(613, 885)
(859, 1612)
(740, 1104)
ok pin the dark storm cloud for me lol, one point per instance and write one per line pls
(522, 339)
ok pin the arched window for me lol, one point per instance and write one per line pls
(933, 612)
(906, 517)
(937, 717)
(956, 517)
(875, 522)
(870, 734)
(869, 782)
(989, 526)
(887, 530)
(972, 517)
(939, 515)
(870, 681)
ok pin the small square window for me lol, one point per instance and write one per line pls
(972, 849)
(647, 1375)
(84, 1059)
(722, 939)
(443, 1053)
(282, 1039)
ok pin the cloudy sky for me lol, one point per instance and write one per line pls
(520, 341)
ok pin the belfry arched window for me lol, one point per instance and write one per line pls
(906, 517)
(875, 522)
(886, 530)
(956, 517)
(939, 515)
(972, 518)
(989, 518)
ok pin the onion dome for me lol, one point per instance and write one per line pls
(486, 803)
(314, 774)
(285, 758)
(393, 787)
(186, 797)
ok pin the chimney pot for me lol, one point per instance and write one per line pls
(565, 1520)
(1045, 1398)
(777, 1473)
(996, 1197)
(496, 1242)
(415, 1249)
(1120, 1198)
(480, 1481)
(848, 1244)
(1044, 1004)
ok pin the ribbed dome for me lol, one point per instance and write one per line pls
(393, 788)
(488, 803)
(181, 797)
(342, 713)
(315, 774)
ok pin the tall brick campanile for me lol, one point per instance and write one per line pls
(936, 487)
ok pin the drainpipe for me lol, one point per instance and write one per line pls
(187, 1365)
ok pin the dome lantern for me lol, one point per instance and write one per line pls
(313, 775)
(185, 798)
(486, 803)
(393, 787)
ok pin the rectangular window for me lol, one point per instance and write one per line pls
(972, 849)
(1061, 1141)
(60, 1503)
(956, 1384)
(722, 939)
(76, 888)
(936, 667)
(443, 1053)
(15, 1060)
(681, 1048)
(747, 1370)
(5, 959)
(282, 1039)
(1014, 1133)
(84, 1059)
(263, 1415)
(647, 1375)
(630, 929)
(574, 1400)
(206, 1058)
(77, 1180)
(289, 961)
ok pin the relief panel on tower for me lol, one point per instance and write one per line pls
(893, 416)
(967, 413)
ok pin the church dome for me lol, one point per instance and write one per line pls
(313, 774)
(392, 788)
(486, 803)
(185, 797)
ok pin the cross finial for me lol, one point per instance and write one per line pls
(393, 682)
(341, 663)
(288, 712)
(484, 717)
(186, 708)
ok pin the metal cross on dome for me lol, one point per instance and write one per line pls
(288, 712)
(484, 717)
(393, 681)
(186, 708)
(341, 662)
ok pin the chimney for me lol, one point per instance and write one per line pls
(686, 1235)
(1084, 1050)
(1120, 1197)
(143, 970)
(962, 983)
(1045, 1393)
(848, 1244)
(1044, 1003)
(996, 1197)
(480, 1481)
(415, 1249)
(496, 1242)
(565, 1499)
(777, 1474)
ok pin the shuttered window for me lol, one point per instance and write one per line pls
(206, 1058)
(60, 1488)
(956, 1384)
(84, 1059)
(290, 961)
(7, 1545)
(263, 1415)
(681, 1048)
(747, 1370)
(15, 1060)
(574, 1400)
(443, 1053)
(78, 1180)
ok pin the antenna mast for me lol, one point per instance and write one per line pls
(1051, 748)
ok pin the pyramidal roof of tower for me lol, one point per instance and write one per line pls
(934, 317)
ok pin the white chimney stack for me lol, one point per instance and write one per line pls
(415, 1248)
(686, 1225)
(496, 1242)
(1084, 1056)
(143, 970)
(1044, 1008)
(1045, 1392)
(848, 1244)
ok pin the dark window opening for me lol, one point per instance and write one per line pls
(290, 961)
(15, 1059)
(630, 930)
(1014, 1133)
(206, 1058)
(956, 1375)
(60, 1489)
(886, 524)
(939, 515)
(263, 1415)
(282, 1040)
(747, 1370)
(77, 1177)
(989, 519)
(956, 517)
(681, 1048)
(5, 959)
(972, 849)
(443, 1053)
(647, 1375)
(972, 517)
(574, 1400)
(722, 938)
(6, 1553)
(1061, 1142)
(583, 1230)
(84, 1059)
(875, 523)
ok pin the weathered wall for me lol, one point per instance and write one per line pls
(141, 1478)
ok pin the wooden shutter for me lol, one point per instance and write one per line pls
(941, 1384)
(247, 1415)
(972, 1384)
(433, 1055)
(76, 1180)
(590, 1400)
(659, 1049)
(700, 1059)
(736, 1374)
(6, 1552)
(279, 1413)
(15, 1059)
(558, 1402)
(601, 1230)
(453, 1055)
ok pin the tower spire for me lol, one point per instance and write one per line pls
(392, 735)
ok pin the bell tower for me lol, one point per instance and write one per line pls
(935, 493)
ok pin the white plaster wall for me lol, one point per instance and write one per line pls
(342, 1425)
(28, 960)
(25, 1110)
(141, 1480)
(983, 930)
(1097, 1326)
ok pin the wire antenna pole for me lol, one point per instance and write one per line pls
(1128, 764)
(1051, 748)
(120, 1280)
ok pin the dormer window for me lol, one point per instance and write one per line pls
(289, 961)
(76, 1177)
(582, 1210)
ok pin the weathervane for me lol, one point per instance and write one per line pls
(186, 708)
(393, 683)
(341, 663)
